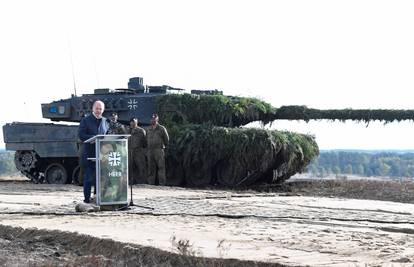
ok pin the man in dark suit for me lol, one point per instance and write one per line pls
(90, 126)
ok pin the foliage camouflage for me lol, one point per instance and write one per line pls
(237, 111)
(201, 152)
(204, 154)
(365, 115)
(217, 110)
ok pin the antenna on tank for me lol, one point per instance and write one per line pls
(73, 69)
(96, 73)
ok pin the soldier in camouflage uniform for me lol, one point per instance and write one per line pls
(136, 149)
(115, 127)
(157, 140)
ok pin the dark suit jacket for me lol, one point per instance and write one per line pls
(89, 127)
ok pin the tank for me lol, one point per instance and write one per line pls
(209, 144)
(44, 150)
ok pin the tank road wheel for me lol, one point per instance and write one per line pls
(76, 176)
(55, 173)
(35, 176)
(25, 160)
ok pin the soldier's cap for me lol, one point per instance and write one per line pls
(114, 114)
(133, 119)
(154, 116)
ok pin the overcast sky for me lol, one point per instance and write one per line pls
(322, 54)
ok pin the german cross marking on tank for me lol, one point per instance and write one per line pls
(114, 159)
(132, 104)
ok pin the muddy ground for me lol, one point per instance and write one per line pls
(340, 223)
(33, 247)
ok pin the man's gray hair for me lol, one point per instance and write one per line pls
(98, 102)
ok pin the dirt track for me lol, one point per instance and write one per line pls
(267, 227)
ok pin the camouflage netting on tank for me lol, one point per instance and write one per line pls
(365, 115)
(216, 109)
(201, 153)
(236, 111)
(204, 155)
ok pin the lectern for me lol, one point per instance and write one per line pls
(111, 159)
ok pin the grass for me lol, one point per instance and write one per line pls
(184, 247)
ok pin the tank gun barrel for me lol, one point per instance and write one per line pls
(229, 111)
(365, 115)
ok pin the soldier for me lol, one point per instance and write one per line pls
(114, 126)
(157, 140)
(137, 159)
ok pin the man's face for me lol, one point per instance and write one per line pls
(154, 120)
(133, 123)
(114, 118)
(98, 108)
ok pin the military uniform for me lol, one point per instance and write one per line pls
(157, 140)
(116, 128)
(137, 159)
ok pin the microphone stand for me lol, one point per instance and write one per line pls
(131, 203)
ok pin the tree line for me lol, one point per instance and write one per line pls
(387, 164)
